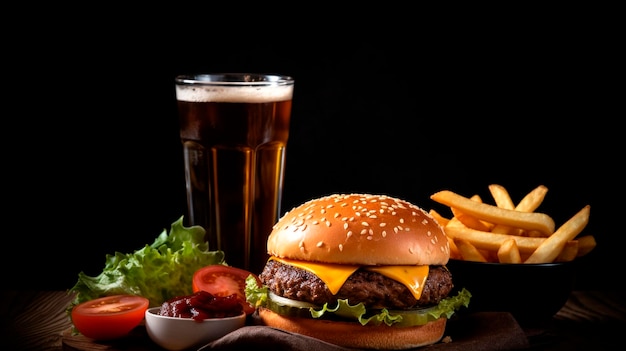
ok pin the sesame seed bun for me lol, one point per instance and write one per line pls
(359, 229)
(354, 335)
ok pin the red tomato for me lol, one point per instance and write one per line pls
(109, 317)
(222, 280)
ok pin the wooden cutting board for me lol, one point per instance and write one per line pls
(137, 340)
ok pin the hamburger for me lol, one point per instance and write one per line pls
(357, 270)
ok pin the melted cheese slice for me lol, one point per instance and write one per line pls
(413, 277)
(335, 275)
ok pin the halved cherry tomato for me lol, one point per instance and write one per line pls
(222, 280)
(109, 317)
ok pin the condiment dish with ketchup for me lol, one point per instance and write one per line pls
(192, 321)
(176, 333)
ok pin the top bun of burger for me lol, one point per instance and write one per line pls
(359, 229)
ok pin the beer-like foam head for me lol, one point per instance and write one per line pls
(251, 94)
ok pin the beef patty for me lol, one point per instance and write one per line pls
(372, 289)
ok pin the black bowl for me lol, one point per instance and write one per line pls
(532, 293)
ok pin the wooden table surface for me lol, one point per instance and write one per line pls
(36, 320)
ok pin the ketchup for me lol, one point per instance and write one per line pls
(202, 305)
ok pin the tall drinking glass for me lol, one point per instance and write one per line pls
(234, 129)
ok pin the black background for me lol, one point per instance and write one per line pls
(93, 163)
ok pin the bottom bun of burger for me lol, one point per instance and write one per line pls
(354, 335)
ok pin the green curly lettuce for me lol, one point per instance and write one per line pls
(157, 272)
(259, 297)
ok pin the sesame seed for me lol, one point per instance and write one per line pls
(401, 220)
(303, 228)
(349, 234)
(337, 215)
(319, 244)
(384, 233)
(410, 250)
(345, 226)
(364, 231)
(340, 247)
(383, 224)
(365, 224)
(369, 237)
(328, 223)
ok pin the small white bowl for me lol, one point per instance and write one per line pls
(174, 333)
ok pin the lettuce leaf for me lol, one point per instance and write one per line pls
(259, 296)
(158, 272)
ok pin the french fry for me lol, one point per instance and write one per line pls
(552, 246)
(443, 221)
(454, 222)
(490, 241)
(490, 256)
(508, 252)
(569, 252)
(496, 215)
(501, 196)
(468, 251)
(471, 221)
(532, 200)
(586, 243)
(503, 200)
(454, 251)
(505, 229)
(476, 198)
(534, 234)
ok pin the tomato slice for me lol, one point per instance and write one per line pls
(221, 280)
(109, 317)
